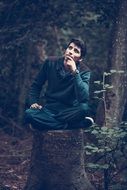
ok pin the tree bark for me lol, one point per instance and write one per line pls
(57, 162)
(24, 82)
(35, 53)
(117, 97)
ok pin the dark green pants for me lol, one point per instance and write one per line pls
(57, 116)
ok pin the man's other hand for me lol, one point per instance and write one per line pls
(36, 106)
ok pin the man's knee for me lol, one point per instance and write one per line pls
(29, 114)
(84, 108)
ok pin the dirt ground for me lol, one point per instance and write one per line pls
(14, 160)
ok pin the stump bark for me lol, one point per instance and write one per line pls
(57, 162)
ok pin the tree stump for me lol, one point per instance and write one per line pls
(57, 161)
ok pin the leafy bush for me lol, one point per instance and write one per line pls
(108, 153)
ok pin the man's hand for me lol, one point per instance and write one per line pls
(36, 106)
(70, 64)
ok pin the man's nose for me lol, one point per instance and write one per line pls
(70, 52)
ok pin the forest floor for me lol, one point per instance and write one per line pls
(14, 160)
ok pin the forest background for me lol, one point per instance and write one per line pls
(32, 30)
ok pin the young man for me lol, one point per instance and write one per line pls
(67, 92)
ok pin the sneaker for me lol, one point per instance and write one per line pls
(88, 121)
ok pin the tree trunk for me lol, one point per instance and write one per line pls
(34, 54)
(117, 97)
(57, 162)
(24, 82)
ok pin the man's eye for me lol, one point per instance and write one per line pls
(76, 51)
(70, 47)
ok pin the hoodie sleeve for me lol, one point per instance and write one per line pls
(38, 83)
(81, 85)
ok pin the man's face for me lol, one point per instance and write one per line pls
(73, 51)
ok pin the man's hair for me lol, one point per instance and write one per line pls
(81, 44)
